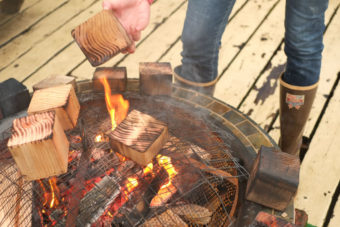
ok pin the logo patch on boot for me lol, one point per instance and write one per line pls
(295, 101)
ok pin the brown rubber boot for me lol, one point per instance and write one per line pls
(295, 105)
(205, 88)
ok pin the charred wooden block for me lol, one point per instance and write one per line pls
(14, 97)
(155, 78)
(274, 178)
(267, 220)
(116, 77)
(39, 146)
(55, 80)
(61, 99)
(139, 136)
(101, 37)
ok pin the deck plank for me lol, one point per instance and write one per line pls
(82, 69)
(4, 18)
(240, 76)
(27, 19)
(40, 54)
(335, 220)
(40, 31)
(320, 170)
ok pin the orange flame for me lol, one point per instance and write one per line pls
(148, 169)
(54, 190)
(168, 189)
(132, 183)
(116, 105)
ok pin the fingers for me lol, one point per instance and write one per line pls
(131, 49)
(136, 35)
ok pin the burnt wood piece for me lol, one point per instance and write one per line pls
(62, 99)
(155, 78)
(139, 136)
(95, 202)
(39, 146)
(138, 205)
(116, 77)
(10, 6)
(267, 220)
(55, 80)
(274, 178)
(167, 218)
(101, 37)
(193, 213)
(14, 97)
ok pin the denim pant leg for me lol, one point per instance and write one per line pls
(203, 28)
(304, 25)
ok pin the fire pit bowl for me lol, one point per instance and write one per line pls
(197, 179)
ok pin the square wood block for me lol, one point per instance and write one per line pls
(116, 77)
(274, 178)
(62, 99)
(155, 78)
(39, 146)
(139, 137)
(101, 37)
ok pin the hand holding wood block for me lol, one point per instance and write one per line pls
(39, 146)
(139, 136)
(155, 78)
(274, 178)
(61, 99)
(116, 77)
(101, 37)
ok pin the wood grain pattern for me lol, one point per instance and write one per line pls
(101, 37)
(155, 78)
(167, 218)
(116, 77)
(139, 136)
(62, 99)
(39, 146)
(274, 178)
(55, 80)
(193, 213)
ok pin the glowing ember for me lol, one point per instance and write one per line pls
(168, 189)
(131, 184)
(148, 169)
(54, 189)
(116, 105)
(99, 138)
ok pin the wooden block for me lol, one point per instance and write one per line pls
(14, 97)
(274, 178)
(101, 37)
(55, 80)
(62, 99)
(139, 136)
(267, 220)
(39, 146)
(116, 76)
(167, 218)
(155, 78)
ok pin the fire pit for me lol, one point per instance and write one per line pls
(194, 180)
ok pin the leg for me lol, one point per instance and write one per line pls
(303, 46)
(303, 40)
(203, 28)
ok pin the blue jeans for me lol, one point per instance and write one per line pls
(205, 23)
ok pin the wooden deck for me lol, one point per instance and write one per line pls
(37, 42)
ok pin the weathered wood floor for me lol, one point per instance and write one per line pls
(36, 43)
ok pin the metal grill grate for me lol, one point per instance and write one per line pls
(100, 186)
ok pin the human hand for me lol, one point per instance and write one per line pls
(134, 15)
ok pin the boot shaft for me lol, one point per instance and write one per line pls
(295, 105)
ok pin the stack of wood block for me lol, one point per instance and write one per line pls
(38, 143)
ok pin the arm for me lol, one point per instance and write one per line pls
(133, 14)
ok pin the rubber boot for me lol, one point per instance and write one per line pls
(295, 105)
(205, 88)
